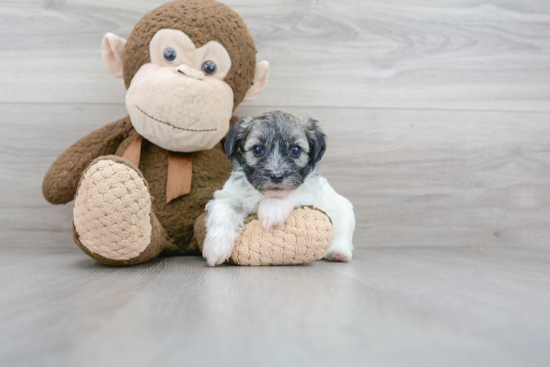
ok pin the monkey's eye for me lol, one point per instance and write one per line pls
(257, 150)
(170, 55)
(209, 67)
(295, 151)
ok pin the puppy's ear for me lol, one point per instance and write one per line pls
(317, 140)
(235, 136)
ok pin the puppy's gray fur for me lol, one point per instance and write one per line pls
(276, 132)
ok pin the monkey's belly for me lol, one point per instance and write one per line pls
(211, 169)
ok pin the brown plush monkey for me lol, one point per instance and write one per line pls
(141, 182)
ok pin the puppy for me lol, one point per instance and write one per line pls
(275, 159)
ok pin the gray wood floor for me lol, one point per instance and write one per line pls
(438, 117)
(408, 307)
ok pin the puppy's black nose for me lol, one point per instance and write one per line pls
(276, 177)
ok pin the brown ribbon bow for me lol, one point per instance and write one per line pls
(180, 169)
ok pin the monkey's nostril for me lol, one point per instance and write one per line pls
(276, 177)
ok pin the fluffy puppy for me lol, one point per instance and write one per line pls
(275, 159)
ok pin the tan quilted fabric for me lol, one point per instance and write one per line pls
(112, 211)
(305, 237)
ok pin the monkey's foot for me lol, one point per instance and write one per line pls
(113, 222)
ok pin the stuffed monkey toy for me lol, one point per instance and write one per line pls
(141, 183)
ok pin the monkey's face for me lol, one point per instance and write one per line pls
(186, 64)
(180, 101)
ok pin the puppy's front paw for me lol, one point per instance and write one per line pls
(270, 221)
(216, 250)
(341, 256)
(273, 212)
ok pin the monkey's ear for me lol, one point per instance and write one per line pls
(112, 51)
(261, 75)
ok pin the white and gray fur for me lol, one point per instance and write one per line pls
(274, 183)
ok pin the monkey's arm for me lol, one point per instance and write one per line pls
(61, 180)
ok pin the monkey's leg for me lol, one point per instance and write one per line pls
(113, 220)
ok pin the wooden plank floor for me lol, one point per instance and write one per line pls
(438, 121)
(389, 307)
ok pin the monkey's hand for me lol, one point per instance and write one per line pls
(61, 180)
(274, 212)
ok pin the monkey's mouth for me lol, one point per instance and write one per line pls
(169, 124)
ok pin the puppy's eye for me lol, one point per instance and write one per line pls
(209, 68)
(295, 151)
(170, 55)
(258, 150)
